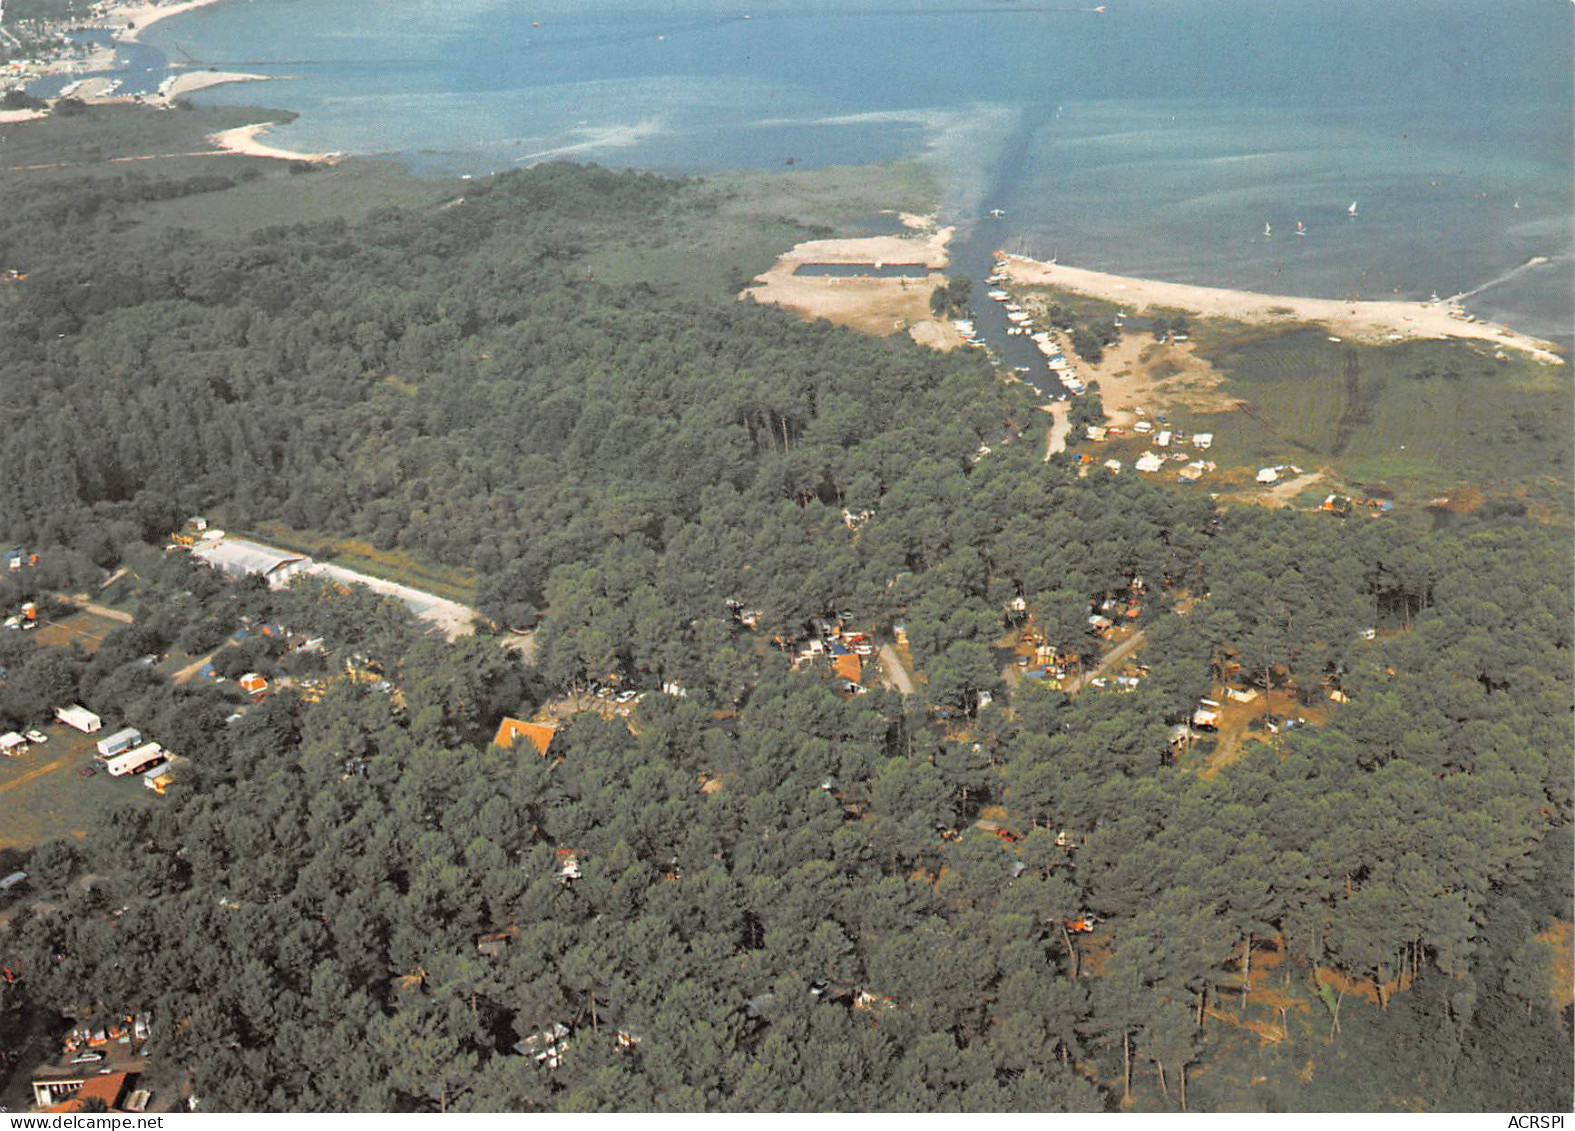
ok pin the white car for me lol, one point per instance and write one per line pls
(627, 696)
(37, 737)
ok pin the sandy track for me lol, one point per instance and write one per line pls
(451, 617)
(895, 675)
(35, 773)
(1060, 428)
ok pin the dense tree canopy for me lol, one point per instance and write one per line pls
(764, 894)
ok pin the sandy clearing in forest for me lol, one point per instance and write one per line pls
(1138, 372)
(936, 334)
(1284, 493)
(873, 306)
(1369, 321)
(7, 117)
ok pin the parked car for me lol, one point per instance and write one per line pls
(627, 696)
(92, 1056)
(37, 737)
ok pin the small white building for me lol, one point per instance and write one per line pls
(12, 744)
(1148, 461)
(79, 717)
(1268, 475)
(238, 557)
(136, 761)
(119, 742)
(1203, 441)
(1162, 440)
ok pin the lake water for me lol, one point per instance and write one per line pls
(865, 270)
(1153, 138)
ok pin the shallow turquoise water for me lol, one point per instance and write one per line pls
(1153, 138)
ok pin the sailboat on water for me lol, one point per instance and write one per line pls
(1301, 230)
(1351, 211)
(1267, 231)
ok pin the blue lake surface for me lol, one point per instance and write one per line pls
(1153, 138)
(865, 270)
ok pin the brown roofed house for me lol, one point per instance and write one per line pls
(69, 1094)
(847, 667)
(538, 734)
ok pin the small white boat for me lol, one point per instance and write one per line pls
(1300, 229)
(1351, 211)
(1267, 231)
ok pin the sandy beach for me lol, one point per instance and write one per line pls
(188, 82)
(879, 306)
(1363, 320)
(7, 117)
(247, 140)
(130, 20)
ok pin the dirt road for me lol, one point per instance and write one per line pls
(81, 601)
(1112, 658)
(893, 673)
(191, 670)
(1060, 429)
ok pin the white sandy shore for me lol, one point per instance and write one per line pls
(247, 140)
(1364, 320)
(131, 20)
(9, 116)
(188, 82)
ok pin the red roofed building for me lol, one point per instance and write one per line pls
(847, 667)
(538, 734)
(70, 1093)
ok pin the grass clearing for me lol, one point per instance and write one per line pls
(745, 220)
(43, 797)
(84, 628)
(1418, 418)
(285, 194)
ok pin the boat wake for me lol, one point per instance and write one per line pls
(1534, 262)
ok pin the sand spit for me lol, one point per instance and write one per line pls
(1370, 321)
(247, 140)
(189, 82)
(131, 20)
(879, 306)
